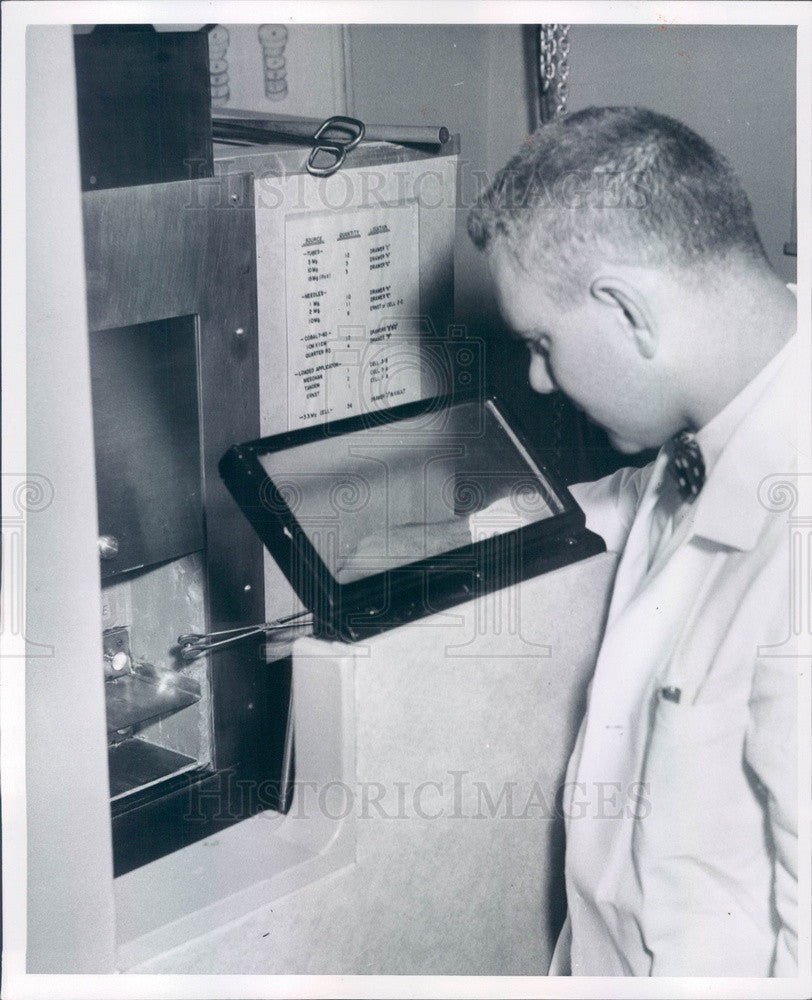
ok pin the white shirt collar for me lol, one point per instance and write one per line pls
(759, 440)
(713, 437)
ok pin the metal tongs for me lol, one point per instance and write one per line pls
(195, 644)
(345, 134)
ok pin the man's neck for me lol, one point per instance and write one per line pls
(749, 323)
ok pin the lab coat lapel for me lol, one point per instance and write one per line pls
(632, 568)
(633, 661)
(637, 648)
(732, 512)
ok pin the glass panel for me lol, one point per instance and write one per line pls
(393, 494)
(158, 705)
(147, 442)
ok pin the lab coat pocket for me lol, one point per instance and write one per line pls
(694, 780)
(700, 863)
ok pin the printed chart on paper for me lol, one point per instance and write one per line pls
(353, 307)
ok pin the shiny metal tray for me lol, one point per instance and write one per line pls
(147, 693)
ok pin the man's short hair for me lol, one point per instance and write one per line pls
(616, 184)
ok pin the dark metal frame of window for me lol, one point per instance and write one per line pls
(362, 608)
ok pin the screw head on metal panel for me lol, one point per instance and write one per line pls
(115, 666)
(108, 546)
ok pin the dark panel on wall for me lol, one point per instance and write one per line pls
(147, 442)
(144, 105)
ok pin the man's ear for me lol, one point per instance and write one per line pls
(631, 302)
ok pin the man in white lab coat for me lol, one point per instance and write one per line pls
(624, 253)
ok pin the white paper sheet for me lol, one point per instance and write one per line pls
(353, 304)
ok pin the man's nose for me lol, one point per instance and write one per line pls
(539, 375)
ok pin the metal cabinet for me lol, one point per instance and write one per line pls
(173, 343)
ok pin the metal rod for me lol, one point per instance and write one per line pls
(249, 131)
(416, 135)
(193, 647)
(303, 128)
(193, 639)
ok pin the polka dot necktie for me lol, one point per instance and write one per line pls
(686, 465)
(680, 485)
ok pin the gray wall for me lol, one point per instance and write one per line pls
(735, 85)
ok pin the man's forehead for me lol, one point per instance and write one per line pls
(521, 296)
